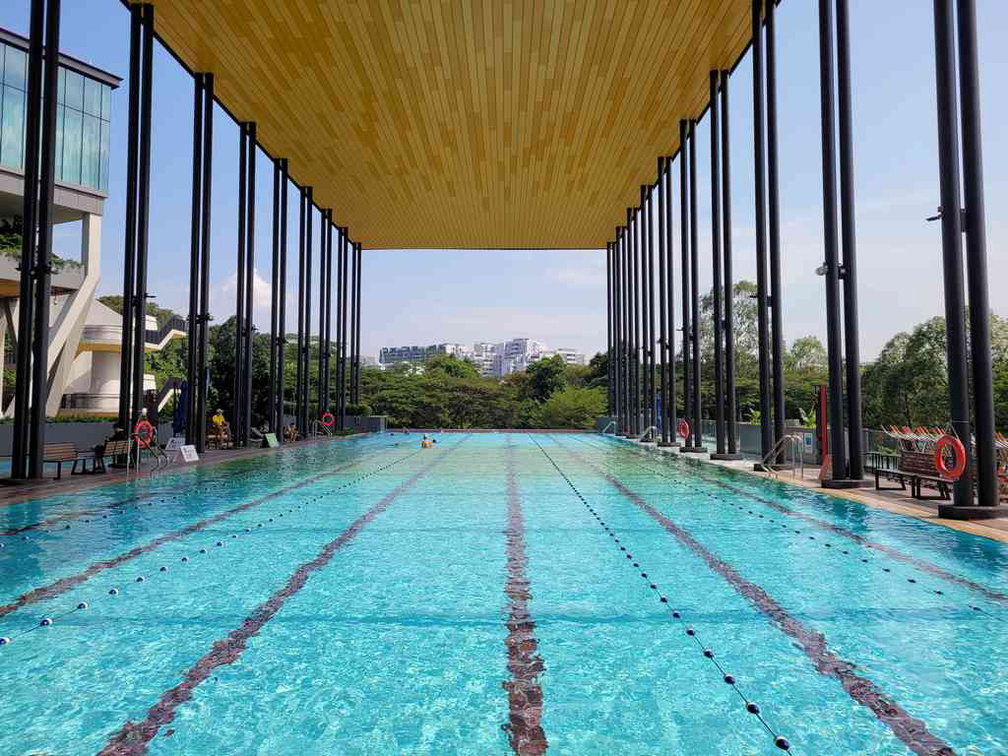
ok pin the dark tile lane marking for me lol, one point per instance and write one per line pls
(525, 698)
(921, 564)
(133, 738)
(63, 585)
(912, 731)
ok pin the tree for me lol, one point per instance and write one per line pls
(547, 375)
(573, 407)
(450, 365)
(805, 353)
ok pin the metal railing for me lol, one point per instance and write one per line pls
(318, 428)
(651, 431)
(612, 424)
(791, 446)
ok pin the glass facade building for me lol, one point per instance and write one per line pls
(83, 114)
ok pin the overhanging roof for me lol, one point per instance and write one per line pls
(464, 123)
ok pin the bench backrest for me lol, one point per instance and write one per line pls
(60, 452)
(115, 448)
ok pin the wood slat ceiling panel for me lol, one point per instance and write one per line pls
(464, 123)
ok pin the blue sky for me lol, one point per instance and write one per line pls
(418, 296)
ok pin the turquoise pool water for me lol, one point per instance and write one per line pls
(492, 595)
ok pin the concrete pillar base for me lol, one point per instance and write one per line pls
(726, 457)
(693, 449)
(953, 512)
(847, 483)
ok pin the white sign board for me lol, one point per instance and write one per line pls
(189, 453)
(175, 443)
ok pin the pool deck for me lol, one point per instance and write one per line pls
(15, 493)
(891, 500)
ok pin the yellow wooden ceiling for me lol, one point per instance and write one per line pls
(464, 123)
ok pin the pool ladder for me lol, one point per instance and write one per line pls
(318, 428)
(612, 424)
(791, 446)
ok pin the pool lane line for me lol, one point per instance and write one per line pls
(921, 564)
(525, 699)
(682, 483)
(115, 591)
(61, 586)
(133, 738)
(750, 706)
(912, 731)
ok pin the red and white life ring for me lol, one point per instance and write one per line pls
(958, 451)
(144, 433)
(328, 419)
(684, 428)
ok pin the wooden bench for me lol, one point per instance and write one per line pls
(915, 479)
(59, 453)
(118, 448)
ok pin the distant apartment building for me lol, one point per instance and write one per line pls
(491, 360)
(416, 355)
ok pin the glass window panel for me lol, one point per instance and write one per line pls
(15, 62)
(106, 102)
(61, 86)
(72, 135)
(60, 111)
(92, 97)
(103, 161)
(12, 126)
(74, 95)
(90, 149)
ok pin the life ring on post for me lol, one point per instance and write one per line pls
(143, 431)
(328, 419)
(684, 428)
(958, 450)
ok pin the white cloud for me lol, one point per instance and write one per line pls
(222, 298)
(589, 276)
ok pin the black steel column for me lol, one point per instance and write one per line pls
(327, 386)
(192, 326)
(729, 285)
(609, 323)
(279, 409)
(238, 385)
(662, 303)
(621, 341)
(321, 408)
(762, 311)
(695, 293)
(143, 213)
(838, 453)
(776, 299)
(306, 370)
(357, 320)
(353, 323)
(684, 236)
(271, 414)
(22, 386)
(636, 361)
(43, 270)
(715, 185)
(673, 413)
(129, 256)
(976, 256)
(204, 314)
(250, 195)
(952, 254)
(647, 292)
(300, 315)
(852, 350)
(344, 275)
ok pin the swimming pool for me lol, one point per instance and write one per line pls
(499, 593)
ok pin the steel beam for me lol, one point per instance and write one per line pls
(695, 293)
(279, 409)
(205, 221)
(684, 269)
(662, 302)
(238, 385)
(670, 400)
